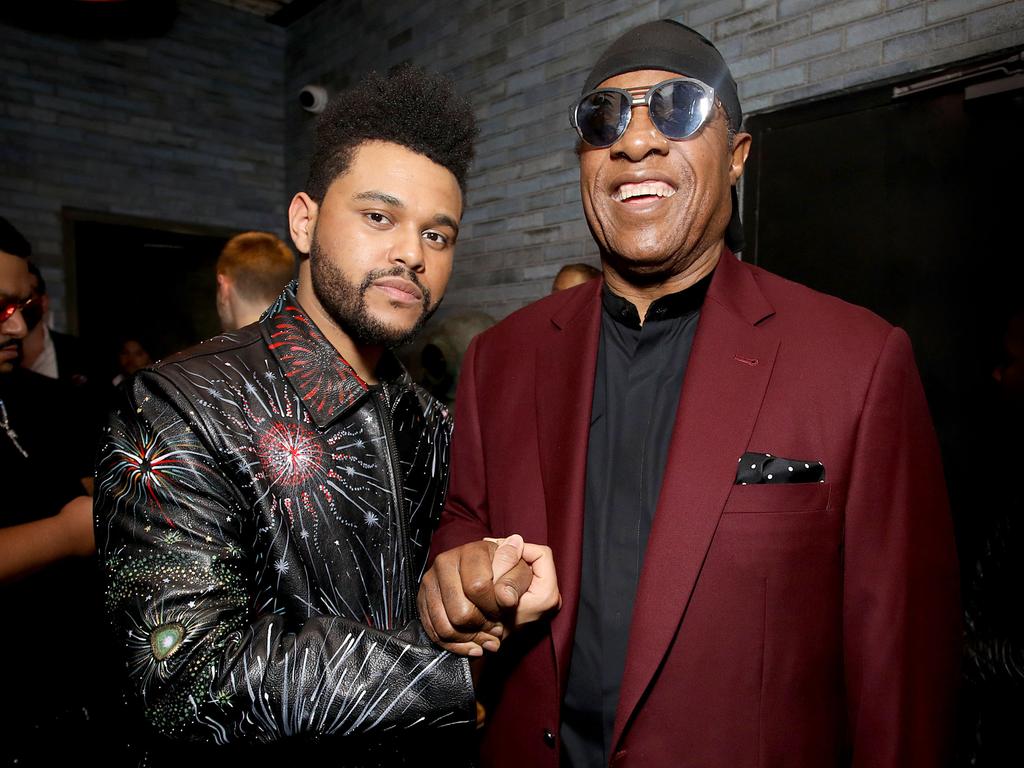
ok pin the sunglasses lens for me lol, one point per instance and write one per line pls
(33, 313)
(602, 117)
(679, 108)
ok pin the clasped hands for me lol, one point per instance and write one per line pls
(473, 596)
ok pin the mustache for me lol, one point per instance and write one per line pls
(395, 271)
(14, 345)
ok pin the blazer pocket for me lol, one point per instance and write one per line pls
(775, 498)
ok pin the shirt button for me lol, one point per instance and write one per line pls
(549, 738)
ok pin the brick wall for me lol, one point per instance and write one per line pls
(187, 127)
(203, 126)
(523, 62)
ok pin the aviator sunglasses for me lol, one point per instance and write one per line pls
(677, 107)
(9, 306)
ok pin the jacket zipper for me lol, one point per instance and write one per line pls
(396, 484)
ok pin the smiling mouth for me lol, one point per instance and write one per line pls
(644, 189)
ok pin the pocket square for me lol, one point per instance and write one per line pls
(757, 468)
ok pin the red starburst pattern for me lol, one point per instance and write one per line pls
(291, 454)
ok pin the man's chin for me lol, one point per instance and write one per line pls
(641, 266)
(385, 332)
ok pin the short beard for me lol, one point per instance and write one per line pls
(11, 365)
(345, 302)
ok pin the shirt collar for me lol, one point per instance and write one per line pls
(668, 307)
(327, 384)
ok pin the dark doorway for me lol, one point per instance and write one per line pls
(906, 202)
(907, 199)
(134, 278)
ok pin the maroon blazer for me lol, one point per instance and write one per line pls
(774, 625)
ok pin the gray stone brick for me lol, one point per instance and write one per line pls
(805, 92)
(973, 48)
(951, 34)
(848, 61)
(751, 65)
(552, 13)
(941, 10)
(757, 104)
(1004, 18)
(843, 13)
(675, 9)
(888, 25)
(905, 46)
(773, 81)
(809, 48)
(709, 12)
(745, 22)
(789, 8)
(777, 34)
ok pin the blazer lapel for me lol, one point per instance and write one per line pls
(564, 390)
(727, 375)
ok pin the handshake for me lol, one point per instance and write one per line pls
(473, 596)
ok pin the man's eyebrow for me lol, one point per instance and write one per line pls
(443, 220)
(380, 197)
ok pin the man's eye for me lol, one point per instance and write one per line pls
(378, 218)
(436, 237)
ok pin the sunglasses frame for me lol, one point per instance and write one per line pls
(9, 308)
(641, 97)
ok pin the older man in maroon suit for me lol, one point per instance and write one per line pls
(737, 477)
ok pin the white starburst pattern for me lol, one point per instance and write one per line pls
(371, 518)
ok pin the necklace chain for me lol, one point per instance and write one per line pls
(5, 425)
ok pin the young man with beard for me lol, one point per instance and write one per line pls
(265, 500)
(723, 605)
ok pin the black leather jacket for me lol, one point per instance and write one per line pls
(263, 518)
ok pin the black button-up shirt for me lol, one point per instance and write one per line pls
(640, 370)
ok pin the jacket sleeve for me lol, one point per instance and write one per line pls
(901, 614)
(204, 661)
(465, 517)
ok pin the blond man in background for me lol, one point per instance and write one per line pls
(252, 270)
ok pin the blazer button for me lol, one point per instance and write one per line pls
(549, 738)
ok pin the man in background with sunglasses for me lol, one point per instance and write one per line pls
(48, 583)
(737, 476)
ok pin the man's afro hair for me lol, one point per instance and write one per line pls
(410, 107)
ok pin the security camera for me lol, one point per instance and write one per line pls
(313, 98)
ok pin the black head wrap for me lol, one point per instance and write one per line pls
(674, 47)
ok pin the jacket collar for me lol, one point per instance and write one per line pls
(327, 384)
(735, 288)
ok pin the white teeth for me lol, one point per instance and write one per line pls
(644, 188)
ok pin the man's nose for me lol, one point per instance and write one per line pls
(14, 326)
(407, 249)
(640, 138)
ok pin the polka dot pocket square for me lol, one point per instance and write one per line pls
(760, 468)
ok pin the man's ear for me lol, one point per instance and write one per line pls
(223, 285)
(302, 215)
(738, 159)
